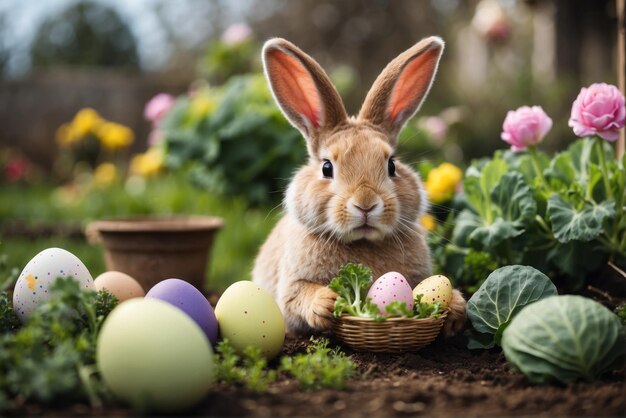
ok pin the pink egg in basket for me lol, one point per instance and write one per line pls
(391, 287)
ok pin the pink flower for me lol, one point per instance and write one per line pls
(236, 33)
(436, 127)
(158, 106)
(525, 126)
(598, 110)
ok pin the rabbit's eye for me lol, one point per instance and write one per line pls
(391, 166)
(327, 169)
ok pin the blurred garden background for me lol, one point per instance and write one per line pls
(116, 108)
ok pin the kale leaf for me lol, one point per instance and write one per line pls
(351, 284)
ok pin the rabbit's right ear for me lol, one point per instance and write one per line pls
(303, 91)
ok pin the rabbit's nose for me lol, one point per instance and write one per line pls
(366, 210)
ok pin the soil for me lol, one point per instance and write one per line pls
(443, 379)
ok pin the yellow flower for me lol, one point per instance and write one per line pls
(86, 122)
(442, 182)
(114, 136)
(66, 135)
(202, 105)
(147, 164)
(428, 221)
(105, 175)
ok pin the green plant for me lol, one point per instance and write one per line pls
(563, 215)
(621, 313)
(8, 319)
(505, 292)
(321, 367)
(233, 139)
(564, 338)
(420, 309)
(223, 60)
(250, 370)
(351, 284)
(52, 356)
(8, 274)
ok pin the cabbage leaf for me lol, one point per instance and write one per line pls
(505, 292)
(564, 338)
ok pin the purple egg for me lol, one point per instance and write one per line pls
(190, 300)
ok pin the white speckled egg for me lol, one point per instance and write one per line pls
(388, 288)
(248, 315)
(33, 284)
(435, 289)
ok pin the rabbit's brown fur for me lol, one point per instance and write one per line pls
(362, 213)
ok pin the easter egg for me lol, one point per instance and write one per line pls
(120, 285)
(33, 284)
(249, 316)
(435, 289)
(154, 357)
(190, 300)
(391, 287)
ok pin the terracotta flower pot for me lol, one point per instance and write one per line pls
(155, 249)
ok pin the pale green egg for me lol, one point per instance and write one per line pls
(248, 315)
(154, 357)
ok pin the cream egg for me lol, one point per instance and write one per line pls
(120, 285)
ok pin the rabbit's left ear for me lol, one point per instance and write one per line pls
(400, 89)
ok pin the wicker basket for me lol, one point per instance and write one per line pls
(394, 335)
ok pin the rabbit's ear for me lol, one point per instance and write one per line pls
(401, 88)
(302, 89)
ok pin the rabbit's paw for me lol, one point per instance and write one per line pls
(320, 312)
(457, 314)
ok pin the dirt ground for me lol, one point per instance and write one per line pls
(444, 379)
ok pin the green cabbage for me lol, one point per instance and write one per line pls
(505, 292)
(564, 338)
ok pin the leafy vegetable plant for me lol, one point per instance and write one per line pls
(250, 370)
(565, 214)
(233, 139)
(505, 292)
(8, 319)
(52, 356)
(564, 338)
(351, 284)
(420, 309)
(321, 367)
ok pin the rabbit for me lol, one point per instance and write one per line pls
(354, 201)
